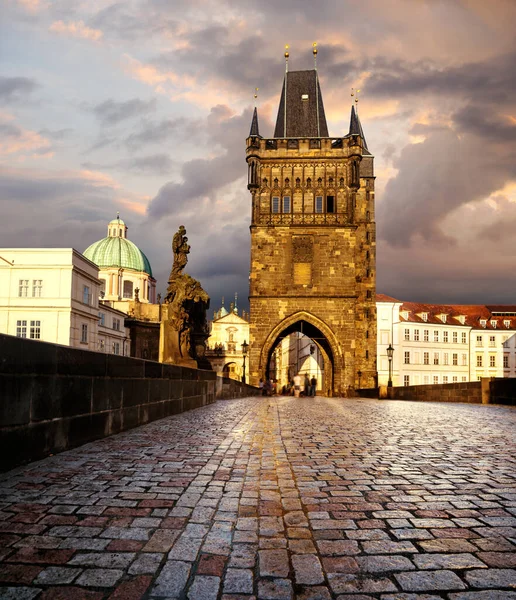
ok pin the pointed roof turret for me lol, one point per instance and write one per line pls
(255, 130)
(301, 109)
(355, 127)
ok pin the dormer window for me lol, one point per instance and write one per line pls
(483, 323)
(507, 323)
(494, 323)
(404, 314)
(444, 318)
(424, 316)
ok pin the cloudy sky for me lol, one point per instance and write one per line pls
(143, 107)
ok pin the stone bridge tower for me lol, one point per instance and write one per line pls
(313, 259)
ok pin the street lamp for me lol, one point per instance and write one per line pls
(390, 352)
(245, 346)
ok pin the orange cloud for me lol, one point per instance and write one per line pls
(24, 143)
(76, 29)
(31, 5)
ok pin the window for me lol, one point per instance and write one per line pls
(102, 286)
(37, 286)
(286, 204)
(445, 378)
(444, 318)
(436, 335)
(330, 204)
(86, 294)
(116, 347)
(479, 340)
(464, 337)
(445, 358)
(454, 379)
(455, 337)
(455, 359)
(424, 316)
(492, 340)
(492, 361)
(494, 323)
(23, 288)
(507, 324)
(445, 337)
(35, 330)
(102, 345)
(21, 329)
(425, 335)
(102, 318)
(407, 358)
(318, 204)
(479, 360)
(464, 360)
(407, 335)
(416, 335)
(275, 204)
(436, 379)
(84, 333)
(483, 323)
(406, 380)
(505, 362)
(436, 358)
(128, 289)
(426, 358)
(464, 378)
(116, 324)
(426, 379)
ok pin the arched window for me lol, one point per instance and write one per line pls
(128, 289)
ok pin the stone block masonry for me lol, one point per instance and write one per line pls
(55, 397)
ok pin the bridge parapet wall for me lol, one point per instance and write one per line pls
(489, 390)
(55, 397)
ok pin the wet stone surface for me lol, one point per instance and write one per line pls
(272, 499)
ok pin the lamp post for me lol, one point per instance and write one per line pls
(390, 352)
(245, 346)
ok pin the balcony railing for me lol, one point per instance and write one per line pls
(289, 219)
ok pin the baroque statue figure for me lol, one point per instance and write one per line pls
(184, 325)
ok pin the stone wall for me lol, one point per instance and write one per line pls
(469, 391)
(495, 390)
(55, 397)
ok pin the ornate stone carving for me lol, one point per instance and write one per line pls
(184, 324)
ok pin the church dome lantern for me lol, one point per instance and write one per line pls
(123, 266)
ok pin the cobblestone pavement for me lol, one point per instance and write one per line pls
(272, 499)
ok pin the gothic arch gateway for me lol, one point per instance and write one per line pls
(313, 240)
(318, 332)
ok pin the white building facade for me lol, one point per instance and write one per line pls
(444, 343)
(52, 294)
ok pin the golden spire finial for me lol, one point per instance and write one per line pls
(256, 93)
(314, 52)
(286, 57)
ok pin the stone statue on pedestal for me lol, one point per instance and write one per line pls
(184, 328)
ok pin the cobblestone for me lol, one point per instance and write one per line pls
(274, 499)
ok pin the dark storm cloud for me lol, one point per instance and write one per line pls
(486, 124)
(154, 164)
(14, 89)
(435, 178)
(154, 132)
(492, 80)
(205, 176)
(80, 209)
(111, 112)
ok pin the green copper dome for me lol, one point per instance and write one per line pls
(117, 251)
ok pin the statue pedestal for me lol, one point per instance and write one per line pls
(170, 350)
